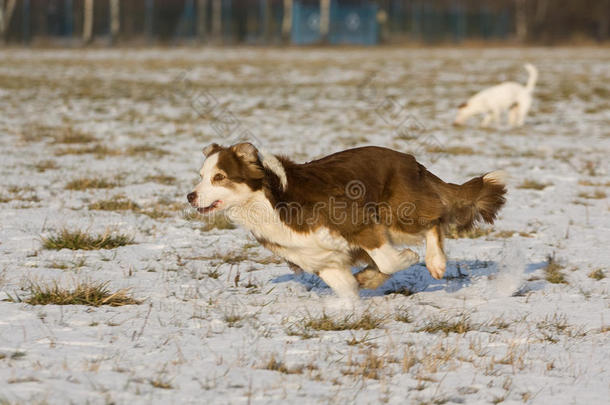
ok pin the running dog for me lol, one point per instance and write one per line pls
(352, 207)
(494, 101)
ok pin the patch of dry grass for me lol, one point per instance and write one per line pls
(161, 179)
(80, 240)
(325, 322)
(448, 324)
(371, 365)
(473, 233)
(553, 271)
(45, 165)
(450, 150)
(83, 293)
(85, 183)
(596, 195)
(98, 150)
(532, 185)
(116, 203)
(161, 383)
(597, 274)
(274, 364)
(556, 325)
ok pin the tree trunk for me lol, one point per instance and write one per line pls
(521, 20)
(324, 19)
(115, 20)
(202, 19)
(217, 20)
(88, 22)
(267, 21)
(6, 17)
(287, 20)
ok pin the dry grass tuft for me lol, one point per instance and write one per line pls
(85, 183)
(71, 136)
(366, 321)
(277, 365)
(596, 195)
(532, 185)
(98, 150)
(84, 293)
(477, 232)
(79, 240)
(370, 366)
(450, 150)
(553, 272)
(597, 274)
(161, 179)
(162, 384)
(45, 165)
(116, 203)
(448, 324)
(553, 326)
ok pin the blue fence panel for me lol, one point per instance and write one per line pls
(305, 23)
(349, 24)
(353, 24)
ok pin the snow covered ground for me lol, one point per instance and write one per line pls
(139, 119)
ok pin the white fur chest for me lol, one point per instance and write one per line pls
(312, 251)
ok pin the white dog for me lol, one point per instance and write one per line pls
(508, 96)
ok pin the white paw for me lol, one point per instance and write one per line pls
(436, 265)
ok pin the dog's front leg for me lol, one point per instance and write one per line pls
(436, 261)
(486, 120)
(342, 281)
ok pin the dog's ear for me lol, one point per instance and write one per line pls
(462, 105)
(208, 150)
(246, 151)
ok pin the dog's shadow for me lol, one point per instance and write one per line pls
(417, 278)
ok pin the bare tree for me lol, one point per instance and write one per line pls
(287, 20)
(217, 19)
(202, 17)
(521, 20)
(324, 19)
(115, 20)
(6, 16)
(88, 22)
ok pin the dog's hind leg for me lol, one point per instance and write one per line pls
(513, 115)
(389, 260)
(436, 261)
(342, 282)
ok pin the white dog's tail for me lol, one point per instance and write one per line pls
(533, 76)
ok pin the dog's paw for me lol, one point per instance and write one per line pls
(436, 265)
(370, 278)
(408, 258)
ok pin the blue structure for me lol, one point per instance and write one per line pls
(349, 23)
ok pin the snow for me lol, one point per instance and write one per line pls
(304, 103)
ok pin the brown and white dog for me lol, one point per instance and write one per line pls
(351, 207)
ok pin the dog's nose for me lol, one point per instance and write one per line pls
(191, 197)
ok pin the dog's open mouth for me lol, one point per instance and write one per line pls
(209, 208)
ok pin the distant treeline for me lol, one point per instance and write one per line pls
(272, 21)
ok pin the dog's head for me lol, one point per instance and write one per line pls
(229, 177)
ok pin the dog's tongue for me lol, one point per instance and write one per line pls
(208, 208)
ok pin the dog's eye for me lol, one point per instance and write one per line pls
(219, 177)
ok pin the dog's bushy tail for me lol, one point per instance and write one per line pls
(533, 76)
(477, 200)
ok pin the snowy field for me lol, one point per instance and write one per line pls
(109, 142)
